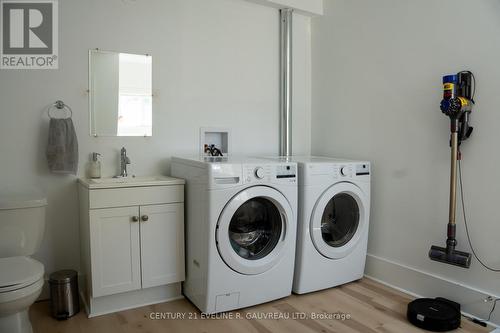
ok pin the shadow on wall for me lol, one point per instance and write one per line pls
(43, 134)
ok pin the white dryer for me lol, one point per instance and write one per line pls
(240, 230)
(333, 220)
(334, 212)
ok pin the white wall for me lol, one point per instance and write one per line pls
(377, 68)
(215, 63)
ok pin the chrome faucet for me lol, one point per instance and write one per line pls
(124, 160)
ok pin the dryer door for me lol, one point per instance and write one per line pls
(253, 230)
(339, 220)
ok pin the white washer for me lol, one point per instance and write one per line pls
(334, 211)
(241, 218)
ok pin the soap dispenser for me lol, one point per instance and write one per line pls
(95, 166)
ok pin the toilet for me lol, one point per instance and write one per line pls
(22, 224)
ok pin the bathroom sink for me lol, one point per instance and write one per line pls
(131, 181)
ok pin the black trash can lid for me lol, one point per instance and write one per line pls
(63, 276)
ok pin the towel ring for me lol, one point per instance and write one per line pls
(60, 106)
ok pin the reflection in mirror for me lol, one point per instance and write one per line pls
(120, 86)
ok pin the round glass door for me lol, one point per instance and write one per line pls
(253, 229)
(338, 220)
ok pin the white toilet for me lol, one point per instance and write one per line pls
(22, 224)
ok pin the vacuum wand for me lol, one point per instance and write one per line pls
(453, 186)
(458, 109)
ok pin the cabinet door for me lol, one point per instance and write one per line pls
(162, 244)
(114, 244)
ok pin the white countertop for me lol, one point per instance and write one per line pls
(132, 181)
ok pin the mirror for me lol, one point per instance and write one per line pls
(120, 94)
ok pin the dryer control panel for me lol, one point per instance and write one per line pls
(320, 173)
(352, 170)
(362, 169)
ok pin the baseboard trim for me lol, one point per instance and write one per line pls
(130, 300)
(419, 283)
(135, 306)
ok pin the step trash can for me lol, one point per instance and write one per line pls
(64, 299)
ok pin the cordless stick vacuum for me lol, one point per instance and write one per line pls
(457, 105)
(441, 314)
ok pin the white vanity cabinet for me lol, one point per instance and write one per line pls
(162, 232)
(114, 251)
(132, 243)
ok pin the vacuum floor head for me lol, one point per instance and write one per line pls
(453, 257)
(434, 314)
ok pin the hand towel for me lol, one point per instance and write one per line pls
(62, 148)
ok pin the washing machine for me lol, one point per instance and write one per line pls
(333, 222)
(241, 216)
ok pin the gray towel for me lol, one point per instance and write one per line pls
(62, 148)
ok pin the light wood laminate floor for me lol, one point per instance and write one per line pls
(373, 308)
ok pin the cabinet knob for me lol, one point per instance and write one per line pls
(135, 218)
(145, 218)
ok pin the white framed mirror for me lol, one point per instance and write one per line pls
(120, 94)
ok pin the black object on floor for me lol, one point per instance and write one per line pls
(434, 314)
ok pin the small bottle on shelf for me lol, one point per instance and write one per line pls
(95, 166)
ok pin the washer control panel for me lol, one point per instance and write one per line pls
(281, 173)
(259, 173)
(286, 171)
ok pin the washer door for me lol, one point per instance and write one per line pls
(252, 230)
(338, 220)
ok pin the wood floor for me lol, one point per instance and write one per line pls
(373, 308)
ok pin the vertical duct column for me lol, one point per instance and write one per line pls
(286, 82)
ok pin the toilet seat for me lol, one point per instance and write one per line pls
(31, 291)
(19, 272)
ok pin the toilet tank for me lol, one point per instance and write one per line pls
(22, 224)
